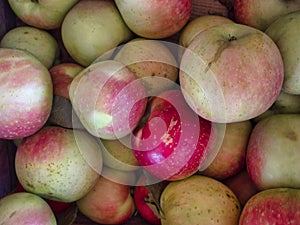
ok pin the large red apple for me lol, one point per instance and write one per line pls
(260, 14)
(108, 99)
(58, 163)
(174, 142)
(26, 94)
(278, 206)
(157, 18)
(231, 73)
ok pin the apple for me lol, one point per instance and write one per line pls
(143, 202)
(108, 99)
(158, 72)
(38, 42)
(273, 152)
(199, 24)
(242, 186)
(230, 159)
(155, 19)
(272, 206)
(26, 94)
(108, 202)
(62, 75)
(62, 114)
(45, 14)
(284, 32)
(260, 14)
(286, 103)
(25, 208)
(58, 163)
(174, 142)
(199, 200)
(219, 82)
(128, 178)
(91, 28)
(118, 155)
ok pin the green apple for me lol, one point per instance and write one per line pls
(44, 14)
(285, 33)
(91, 28)
(199, 200)
(273, 152)
(152, 61)
(38, 42)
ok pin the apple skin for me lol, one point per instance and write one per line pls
(56, 163)
(158, 72)
(230, 159)
(199, 24)
(108, 99)
(38, 42)
(273, 152)
(199, 200)
(25, 208)
(260, 14)
(141, 199)
(62, 75)
(174, 142)
(92, 28)
(284, 32)
(215, 71)
(155, 19)
(273, 206)
(23, 116)
(107, 203)
(44, 14)
(242, 186)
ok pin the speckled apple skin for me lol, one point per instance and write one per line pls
(26, 94)
(54, 163)
(278, 206)
(199, 200)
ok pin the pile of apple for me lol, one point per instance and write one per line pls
(201, 130)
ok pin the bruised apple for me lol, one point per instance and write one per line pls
(174, 142)
(231, 73)
(273, 206)
(26, 94)
(108, 99)
(155, 19)
(58, 163)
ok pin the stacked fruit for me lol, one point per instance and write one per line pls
(126, 108)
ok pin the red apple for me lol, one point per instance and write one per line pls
(273, 152)
(47, 14)
(26, 94)
(155, 19)
(230, 159)
(58, 163)
(25, 208)
(242, 186)
(143, 202)
(107, 203)
(278, 206)
(108, 99)
(219, 82)
(174, 142)
(260, 14)
(62, 75)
